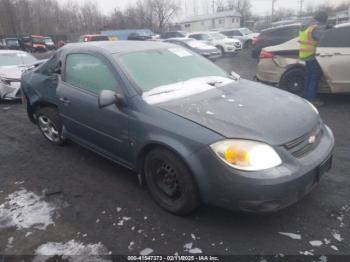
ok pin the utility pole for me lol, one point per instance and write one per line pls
(301, 8)
(273, 10)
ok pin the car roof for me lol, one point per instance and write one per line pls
(12, 52)
(280, 27)
(91, 35)
(114, 47)
(342, 25)
(180, 39)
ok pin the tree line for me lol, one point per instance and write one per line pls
(48, 17)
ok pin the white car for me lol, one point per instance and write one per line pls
(12, 64)
(243, 34)
(224, 44)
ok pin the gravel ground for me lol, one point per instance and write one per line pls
(68, 198)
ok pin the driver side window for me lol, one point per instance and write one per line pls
(89, 73)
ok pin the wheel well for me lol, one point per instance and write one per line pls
(34, 108)
(148, 148)
(292, 68)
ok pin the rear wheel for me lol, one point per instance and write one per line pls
(293, 81)
(170, 182)
(247, 44)
(50, 125)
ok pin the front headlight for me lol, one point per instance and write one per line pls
(246, 155)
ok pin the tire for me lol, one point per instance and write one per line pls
(50, 125)
(293, 81)
(170, 182)
(247, 44)
(222, 51)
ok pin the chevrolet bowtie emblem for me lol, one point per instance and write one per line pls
(312, 139)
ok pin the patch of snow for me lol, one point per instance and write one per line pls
(326, 241)
(210, 113)
(223, 96)
(240, 105)
(139, 231)
(195, 251)
(316, 243)
(162, 234)
(126, 218)
(97, 221)
(176, 253)
(133, 228)
(120, 223)
(188, 246)
(85, 235)
(24, 209)
(323, 259)
(334, 248)
(28, 234)
(193, 236)
(306, 253)
(10, 243)
(145, 218)
(19, 182)
(337, 236)
(119, 209)
(291, 235)
(103, 212)
(146, 252)
(69, 249)
(231, 100)
(131, 245)
(183, 89)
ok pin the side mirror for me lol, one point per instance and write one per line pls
(108, 97)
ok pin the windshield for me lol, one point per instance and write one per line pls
(246, 31)
(16, 59)
(169, 66)
(38, 40)
(12, 42)
(217, 36)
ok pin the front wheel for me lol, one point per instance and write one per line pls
(170, 182)
(293, 81)
(50, 125)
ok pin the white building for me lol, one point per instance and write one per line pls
(343, 16)
(221, 20)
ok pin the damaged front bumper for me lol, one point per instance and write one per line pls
(10, 89)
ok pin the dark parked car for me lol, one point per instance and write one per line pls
(210, 52)
(10, 43)
(274, 36)
(173, 34)
(139, 37)
(194, 132)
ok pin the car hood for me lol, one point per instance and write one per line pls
(12, 72)
(248, 110)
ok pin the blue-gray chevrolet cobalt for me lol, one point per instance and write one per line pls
(194, 133)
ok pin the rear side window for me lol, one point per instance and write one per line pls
(90, 73)
(100, 38)
(336, 37)
(198, 37)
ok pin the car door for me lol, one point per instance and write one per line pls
(333, 55)
(104, 130)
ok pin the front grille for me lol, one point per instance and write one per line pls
(306, 143)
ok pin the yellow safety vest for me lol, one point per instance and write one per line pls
(308, 45)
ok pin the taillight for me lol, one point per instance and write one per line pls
(264, 54)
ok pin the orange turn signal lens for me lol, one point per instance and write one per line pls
(236, 156)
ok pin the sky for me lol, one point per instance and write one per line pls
(259, 7)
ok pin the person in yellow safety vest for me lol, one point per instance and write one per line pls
(309, 36)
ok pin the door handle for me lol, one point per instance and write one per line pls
(65, 100)
(325, 55)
